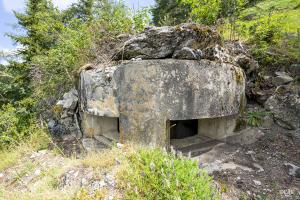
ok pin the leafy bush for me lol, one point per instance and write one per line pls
(69, 53)
(205, 11)
(169, 12)
(266, 31)
(153, 174)
(16, 122)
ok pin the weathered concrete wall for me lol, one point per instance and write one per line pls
(147, 93)
(217, 128)
(94, 126)
(97, 92)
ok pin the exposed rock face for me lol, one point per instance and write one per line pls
(285, 106)
(68, 122)
(188, 41)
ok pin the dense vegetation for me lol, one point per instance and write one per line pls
(56, 43)
(270, 27)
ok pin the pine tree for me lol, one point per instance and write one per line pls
(41, 24)
(83, 10)
(169, 12)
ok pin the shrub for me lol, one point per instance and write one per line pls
(266, 31)
(153, 174)
(205, 11)
(17, 121)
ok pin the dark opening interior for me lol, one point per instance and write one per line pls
(118, 125)
(180, 129)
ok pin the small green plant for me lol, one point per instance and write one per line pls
(154, 174)
(205, 12)
(254, 118)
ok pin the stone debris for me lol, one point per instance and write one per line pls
(256, 182)
(293, 170)
(281, 78)
(284, 104)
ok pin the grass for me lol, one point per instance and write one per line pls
(37, 141)
(141, 173)
(286, 10)
(45, 186)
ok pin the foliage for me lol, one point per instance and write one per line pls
(16, 122)
(55, 44)
(254, 118)
(154, 174)
(82, 10)
(83, 194)
(69, 53)
(14, 83)
(38, 140)
(266, 31)
(141, 19)
(205, 12)
(169, 12)
(41, 24)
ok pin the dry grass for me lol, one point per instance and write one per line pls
(37, 141)
(107, 159)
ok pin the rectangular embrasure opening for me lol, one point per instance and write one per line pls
(180, 129)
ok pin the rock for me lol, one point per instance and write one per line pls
(248, 64)
(69, 101)
(258, 183)
(187, 53)
(217, 53)
(250, 16)
(294, 69)
(267, 122)
(284, 104)
(281, 79)
(293, 170)
(90, 144)
(119, 145)
(183, 42)
(245, 136)
(51, 124)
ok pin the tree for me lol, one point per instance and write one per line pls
(170, 12)
(83, 10)
(204, 11)
(41, 24)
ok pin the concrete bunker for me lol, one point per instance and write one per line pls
(191, 135)
(150, 96)
(101, 127)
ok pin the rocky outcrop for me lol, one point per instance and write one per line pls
(188, 41)
(66, 110)
(284, 104)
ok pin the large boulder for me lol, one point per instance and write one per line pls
(187, 41)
